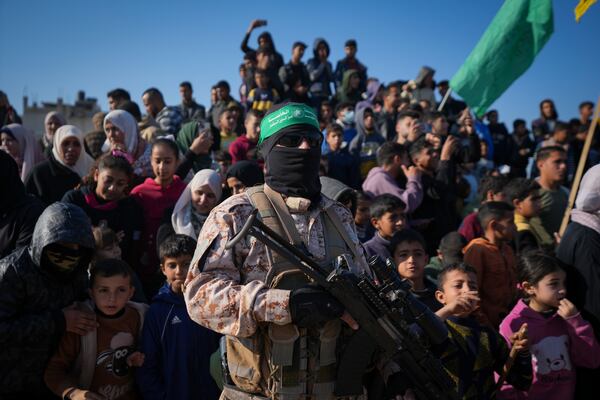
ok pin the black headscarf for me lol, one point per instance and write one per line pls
(248, 172)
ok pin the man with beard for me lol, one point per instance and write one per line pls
(280, 329)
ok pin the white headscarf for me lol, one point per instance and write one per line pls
(30, 154)
(84, 162)
(587, 204)
(181, 218)
(127, 124)
(52, 114)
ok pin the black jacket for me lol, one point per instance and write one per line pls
(32, 299)
(50, 180)
(579, 249)
(18, 210)
(127, 218)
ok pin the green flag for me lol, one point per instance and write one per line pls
(505, 51)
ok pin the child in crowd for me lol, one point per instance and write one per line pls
(475, 351)
(244, 147)
(491, 188)
(171, 341)
(227, 128)
(410, 257)
(99, 364)
(155, 195)
(387, 217)
(362, 218)
(366, 141)
(392, 158)
(105, 199)
(108, 246)
(341, 165)
(560, 339)
(107, 243)
(263, 96)
(450, 251)
(524, 194)
(494, 260)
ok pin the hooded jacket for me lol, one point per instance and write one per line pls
(18, 210)
(365, 144)
(371, 93)
(345, 94)
(557, 346)
(321, 74)
(177, 352)
(32, 299)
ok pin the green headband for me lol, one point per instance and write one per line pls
(291, 114)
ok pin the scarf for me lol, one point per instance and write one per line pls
(92, 201)
(84, 162)
(182, 218)
(30, 154)
(126, 124)
(534, 225)
(587, 205)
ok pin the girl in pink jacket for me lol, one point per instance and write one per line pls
(560, 339)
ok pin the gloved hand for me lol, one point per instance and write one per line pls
(312, 306)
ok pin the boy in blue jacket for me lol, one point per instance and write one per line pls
(177, 350)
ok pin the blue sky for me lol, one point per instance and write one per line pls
(54, 48)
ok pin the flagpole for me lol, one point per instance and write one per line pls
(580, 168)
(443, 103)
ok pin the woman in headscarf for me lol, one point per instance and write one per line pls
(52, 122)
(63, 170)
(579, 249)
(244, 174)
(200, 196)
(19, 143)
(123, 138)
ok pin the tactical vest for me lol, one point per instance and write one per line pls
(283, 361)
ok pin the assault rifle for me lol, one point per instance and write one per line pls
(384, 309)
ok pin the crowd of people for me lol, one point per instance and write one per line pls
(108, 238)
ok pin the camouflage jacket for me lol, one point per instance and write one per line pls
(227, 292)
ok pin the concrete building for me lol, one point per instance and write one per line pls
(78, 114)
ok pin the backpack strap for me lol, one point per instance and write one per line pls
(285, 218)
(270, 218)
(339, 227)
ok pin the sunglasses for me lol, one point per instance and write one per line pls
(295, 139)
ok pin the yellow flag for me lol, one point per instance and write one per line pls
(582, 7)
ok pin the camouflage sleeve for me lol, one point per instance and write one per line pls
(225, 289)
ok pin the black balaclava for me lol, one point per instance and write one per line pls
(62, 261)
(291, 171)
